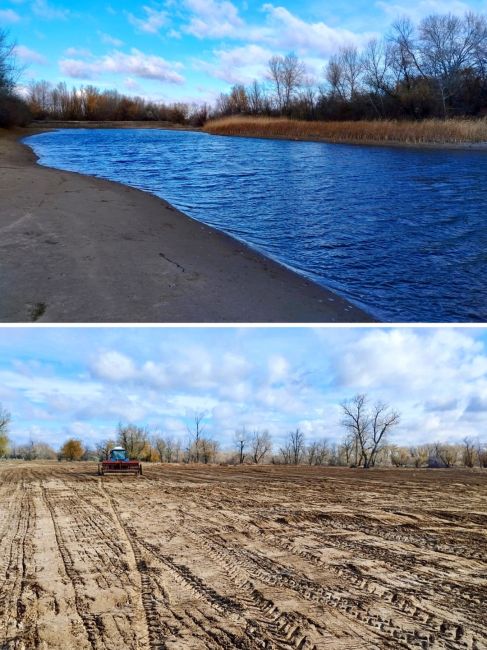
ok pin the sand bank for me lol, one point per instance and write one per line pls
(79, 249)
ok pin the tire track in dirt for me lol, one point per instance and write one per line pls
(405, 534)
(442, 631)
(156, 631)
(272, 573)
(293, 629)
(421, 568)
(91, 623)
(18, 627)
(273, 626)
(272, 558)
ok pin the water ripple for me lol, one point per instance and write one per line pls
(400, 232)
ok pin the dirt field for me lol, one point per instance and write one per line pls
(220, 557)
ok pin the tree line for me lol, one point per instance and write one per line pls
(365, 443)
(437, 68)
(88, 103)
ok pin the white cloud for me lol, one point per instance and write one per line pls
(77, 51)
(278, 369)
(131, 84)
(289, 32)
(436, 378)
(135, 64)
(237, 65)
(44, 10)
(29, 56)
(114, 366)
(152, 22)
(9, 16)
(404, 357)
(233, 367)
(212, 18)
(107, 39)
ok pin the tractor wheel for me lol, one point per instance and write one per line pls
(140, 470)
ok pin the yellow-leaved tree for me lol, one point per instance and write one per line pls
(72, 450)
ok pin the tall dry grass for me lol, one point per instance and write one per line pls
(434, 131)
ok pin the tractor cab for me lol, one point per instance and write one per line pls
(118, 453)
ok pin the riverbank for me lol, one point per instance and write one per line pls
(75, 248)
(45, 125)
(427, 133)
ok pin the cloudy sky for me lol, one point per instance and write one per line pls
(192, 49)
(58, 382)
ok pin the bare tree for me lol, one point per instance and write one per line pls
(103, 448)
(312, 453)
(160, 445)
(378, 75)
(196, 433)
(352, 69)
(368, 426)
(420, 455)
(443, 47)
(446, 454)
(318, 452)
(296, 440)
(287, 75)
(34, 450)
(133, 439)
(468, 455)
(346, 449)
(285, 453)
(209, 450)
(255, 97)
(447, 45)
(335, 76)
(10, 70)
(260, 446)
(241, 442)
(172, 450)
(343, 73)
(481, 453)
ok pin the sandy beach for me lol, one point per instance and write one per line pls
(79, 249)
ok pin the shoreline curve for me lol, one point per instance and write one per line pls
(76, 248)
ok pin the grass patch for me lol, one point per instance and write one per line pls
(434, 131)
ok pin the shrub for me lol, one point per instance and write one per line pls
(13, 111)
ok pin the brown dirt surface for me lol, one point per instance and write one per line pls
(241, 557)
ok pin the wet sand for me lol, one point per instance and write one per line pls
(74, 248)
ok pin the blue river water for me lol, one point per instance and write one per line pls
(400, 232)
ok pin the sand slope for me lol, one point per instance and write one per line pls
(79, 249)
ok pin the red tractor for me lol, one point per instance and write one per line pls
(119, 463)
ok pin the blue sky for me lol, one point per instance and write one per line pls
(191, 50)
(59, 382)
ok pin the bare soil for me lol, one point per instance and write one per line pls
(222, 557)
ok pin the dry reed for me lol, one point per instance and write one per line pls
(433, 131)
